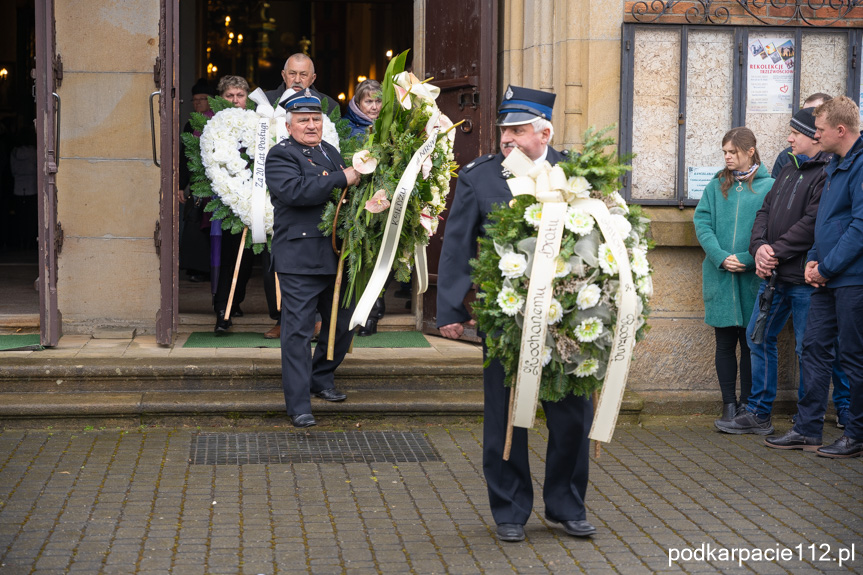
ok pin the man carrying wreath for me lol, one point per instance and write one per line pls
(301, 173)
(524, 119)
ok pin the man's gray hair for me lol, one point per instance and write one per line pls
(541, 124)
(300, 57)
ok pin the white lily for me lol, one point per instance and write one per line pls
(412, 84)
(364, 162)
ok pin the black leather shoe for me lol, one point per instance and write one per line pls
(581, 528)
(331, 394)
(842, 448)
(379, 309)
(370, 328)
(793, 440)
(222, 324)
(237, 312)
(303, 420)
(510, 532)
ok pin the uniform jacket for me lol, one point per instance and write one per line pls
(786, 220)
(301, 182)
(838, 245)
(723, 227)
(481, 187)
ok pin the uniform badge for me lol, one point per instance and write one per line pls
(508, 94)
(325, 173)
(505, 172)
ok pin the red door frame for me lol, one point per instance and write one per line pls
(167, 245)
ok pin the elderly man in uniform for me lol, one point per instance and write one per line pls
(302, 172)
(524, 119)
(297, 75)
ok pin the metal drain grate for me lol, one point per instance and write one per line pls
(318, 447)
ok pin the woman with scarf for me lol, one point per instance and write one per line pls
(723, 223)
(364, 108)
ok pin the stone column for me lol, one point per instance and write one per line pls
(570, 47)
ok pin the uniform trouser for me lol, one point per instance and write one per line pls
(832, 312)
(230, 249)
(270, 286)
(303, 373)
(727, 340)
(510, 488)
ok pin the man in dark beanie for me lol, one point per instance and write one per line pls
(781, 236)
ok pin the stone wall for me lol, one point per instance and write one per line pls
(107, 184)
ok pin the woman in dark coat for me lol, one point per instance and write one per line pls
(364, 108)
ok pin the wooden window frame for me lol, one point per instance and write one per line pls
(739, 88)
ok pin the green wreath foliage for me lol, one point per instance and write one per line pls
(507, 227)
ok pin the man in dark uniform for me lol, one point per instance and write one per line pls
(524, 119)
(302, 172)
(297, 75)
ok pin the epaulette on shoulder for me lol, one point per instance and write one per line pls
(477, 162)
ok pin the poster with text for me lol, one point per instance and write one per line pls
(697, 179)
(770, 75)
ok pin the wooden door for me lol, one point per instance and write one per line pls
(48, 75)
(461, 56)
(166, 79)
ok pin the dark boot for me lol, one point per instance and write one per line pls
(222, 324)
(729, 411)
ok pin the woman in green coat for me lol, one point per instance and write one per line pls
(723, 223)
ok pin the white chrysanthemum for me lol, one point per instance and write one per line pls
(562, 268)
(330, 134)
(621, 225)
(578, 221)
(509, 301)
(512, 265)
(588, 296)
(645, 286)
(533, 214)
(229, 174)
(587, 367)
(546, 356)
(606, 260)
(640, 265)
(589, 330)
(555, 312)
(579, 186)
(619, 201)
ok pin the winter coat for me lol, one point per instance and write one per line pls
(359, 122)
(723, 227)
(786, 220)
(838, 245)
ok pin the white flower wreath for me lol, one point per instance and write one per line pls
(224, 143)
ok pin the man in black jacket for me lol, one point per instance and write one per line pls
(524, 119)
(301, 173)
(298, 75)
(781, 237)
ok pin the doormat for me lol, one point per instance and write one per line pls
(20, 342)
(247, 339)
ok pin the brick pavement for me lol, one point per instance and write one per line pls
(130, 502)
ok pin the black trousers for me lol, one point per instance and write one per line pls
(567, 458)
(727, 340)
(230, 248)
(303, 373)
